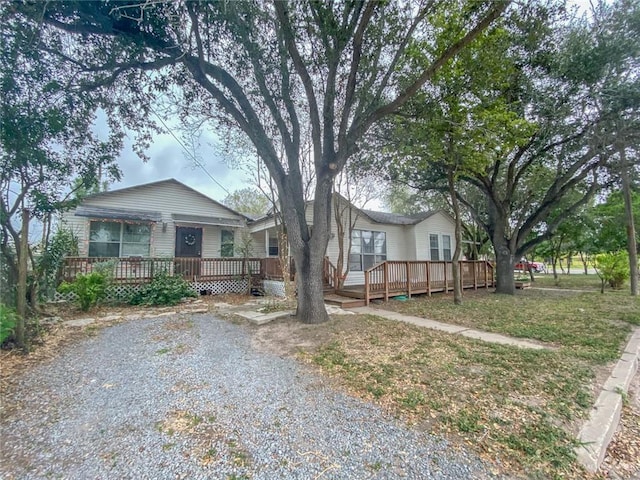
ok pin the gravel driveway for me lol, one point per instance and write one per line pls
(187, 396)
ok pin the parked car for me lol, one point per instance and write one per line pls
(536, 267)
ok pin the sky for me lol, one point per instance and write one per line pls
(168, 159)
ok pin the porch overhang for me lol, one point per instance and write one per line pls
(118, 214)
(201, 220)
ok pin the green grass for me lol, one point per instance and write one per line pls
(578, 281)
(518, 405)
(592, 325)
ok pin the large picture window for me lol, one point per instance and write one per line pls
(226, 243)
(368, 248)
(117, 239)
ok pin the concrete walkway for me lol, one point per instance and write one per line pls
(455, 329)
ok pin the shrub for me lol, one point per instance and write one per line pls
(8, 321)
(613, 268)
(164, 289)
(89, 289)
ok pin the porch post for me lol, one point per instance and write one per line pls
(446, 280)
(428, 264)
(408, 279)
(366, 288)
(386, 281)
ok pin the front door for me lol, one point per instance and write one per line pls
(188, 251)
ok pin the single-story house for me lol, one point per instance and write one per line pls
(160, 219)
(168, 226)
(376, 237)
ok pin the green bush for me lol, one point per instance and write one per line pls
(164, 289)
(8, 320)
(89, 289)
(613, 268)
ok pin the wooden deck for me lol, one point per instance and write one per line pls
(385, 280)
(395, 278)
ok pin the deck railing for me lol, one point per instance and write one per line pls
(409, 277)
(136, 270)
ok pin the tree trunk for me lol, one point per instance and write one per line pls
(455, 264)
(631, 231)
(21, 300)
(308, 249)
(505, 262)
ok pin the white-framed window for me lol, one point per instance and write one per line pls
(446, 247)
(226, 243)
(368, 248)
(440, 247)
(119, 239)
(434, 247)
(274, 247)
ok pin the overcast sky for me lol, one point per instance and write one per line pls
(167, 159)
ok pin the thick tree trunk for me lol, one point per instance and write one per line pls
(505, 262)
(311, 307)
(308, 250)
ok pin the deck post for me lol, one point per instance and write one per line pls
(366, 288)
(428, 265)
(446, 280)
(385, 269)
(408, 279)
(486, 276)
(475, 275)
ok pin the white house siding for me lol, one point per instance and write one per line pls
(166, 197)
(439, 224)
(397, 248)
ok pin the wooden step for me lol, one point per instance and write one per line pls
(343, 302)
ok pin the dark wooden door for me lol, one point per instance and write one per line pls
(188, 251)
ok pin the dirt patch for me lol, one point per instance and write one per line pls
(623, 455)
(288, 336)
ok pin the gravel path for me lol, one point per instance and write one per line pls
(188, 397)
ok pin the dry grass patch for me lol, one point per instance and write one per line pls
(516, 405)
(592, 325)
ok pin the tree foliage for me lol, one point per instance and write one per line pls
(248, 201)
(270, 70)
(533, 133)
(47, 138)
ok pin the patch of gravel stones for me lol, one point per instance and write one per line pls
(187, 397)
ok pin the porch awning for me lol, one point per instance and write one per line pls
(118, 214)
(200, 220)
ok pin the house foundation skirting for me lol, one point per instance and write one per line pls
(121, 292)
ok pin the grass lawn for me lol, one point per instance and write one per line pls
(517, 406)
(578, 281)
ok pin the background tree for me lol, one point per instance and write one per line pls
(555, 134)
(47, 143)
(266, 69)
(249, 201)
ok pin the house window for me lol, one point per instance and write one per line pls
(434, 246)
(226, 243)
(446, 247)
(273, 247)
(117, 239)
(368, 248)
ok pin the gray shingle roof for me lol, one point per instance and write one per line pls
(397, 219)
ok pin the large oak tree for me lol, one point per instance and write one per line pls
(268, 68)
